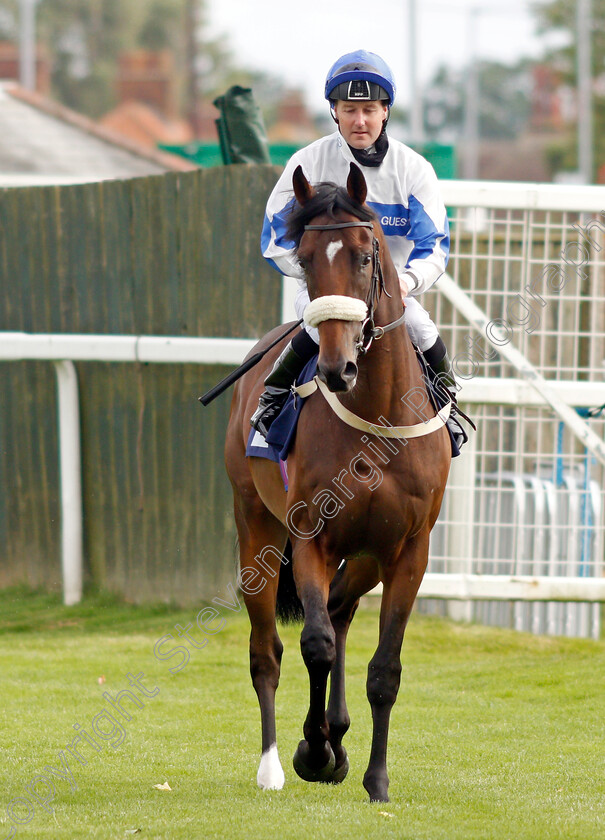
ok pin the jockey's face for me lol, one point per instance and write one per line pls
(360, 123)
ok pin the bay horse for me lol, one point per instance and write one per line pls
(368, 496)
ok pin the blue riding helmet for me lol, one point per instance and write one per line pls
(360, 75)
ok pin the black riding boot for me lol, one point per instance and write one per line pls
(442, 377)
(288, 365)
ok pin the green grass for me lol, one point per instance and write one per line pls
(495, 735)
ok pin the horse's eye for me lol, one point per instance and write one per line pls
(366, 259)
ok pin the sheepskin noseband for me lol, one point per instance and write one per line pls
(335, 307)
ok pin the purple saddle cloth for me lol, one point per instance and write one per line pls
(283, 429)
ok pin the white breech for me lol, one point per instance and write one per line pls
(421, 328)
(301, 301)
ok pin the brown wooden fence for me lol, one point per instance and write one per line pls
(176, 254)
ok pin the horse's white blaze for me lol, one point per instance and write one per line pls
(332, 249)
(270, 775)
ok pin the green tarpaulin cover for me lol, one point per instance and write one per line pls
(241, 129)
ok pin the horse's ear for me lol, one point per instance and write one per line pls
(356, 184)
(302, 188)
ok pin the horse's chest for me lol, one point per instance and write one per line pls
(364, 508)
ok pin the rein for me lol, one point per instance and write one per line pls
(369, 331)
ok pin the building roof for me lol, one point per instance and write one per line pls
(43, 142)
(140, 122)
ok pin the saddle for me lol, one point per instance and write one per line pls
(283, 429)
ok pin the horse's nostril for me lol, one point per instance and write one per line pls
(338, 378)
(350, 371)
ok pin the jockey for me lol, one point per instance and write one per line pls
(402, 191)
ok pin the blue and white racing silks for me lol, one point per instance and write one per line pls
(403, 192)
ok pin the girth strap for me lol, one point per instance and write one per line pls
(418, 430)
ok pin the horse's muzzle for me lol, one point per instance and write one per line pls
(338, 378)
(337, 362)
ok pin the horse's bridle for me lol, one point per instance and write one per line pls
(369, 331)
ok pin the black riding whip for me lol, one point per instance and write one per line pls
(207, 398)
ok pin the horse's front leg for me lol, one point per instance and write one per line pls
(401, 581)
(255, 534)
(314, 759)
(351, 582)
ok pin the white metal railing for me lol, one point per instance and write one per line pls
(498, 338)
(527, 497)
(64, 350)
(21, 346)
(503, 237)
(513, 195)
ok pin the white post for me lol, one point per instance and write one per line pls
(71, 481)
(584, 69)
(27, 44)
(461, 512)
(416, 122)
(471, 103)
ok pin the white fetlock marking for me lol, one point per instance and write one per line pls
(270, 775)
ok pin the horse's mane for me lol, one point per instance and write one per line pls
(328, 198)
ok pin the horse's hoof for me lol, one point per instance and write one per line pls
(311, 774)
(341, 770)
(377, 786)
